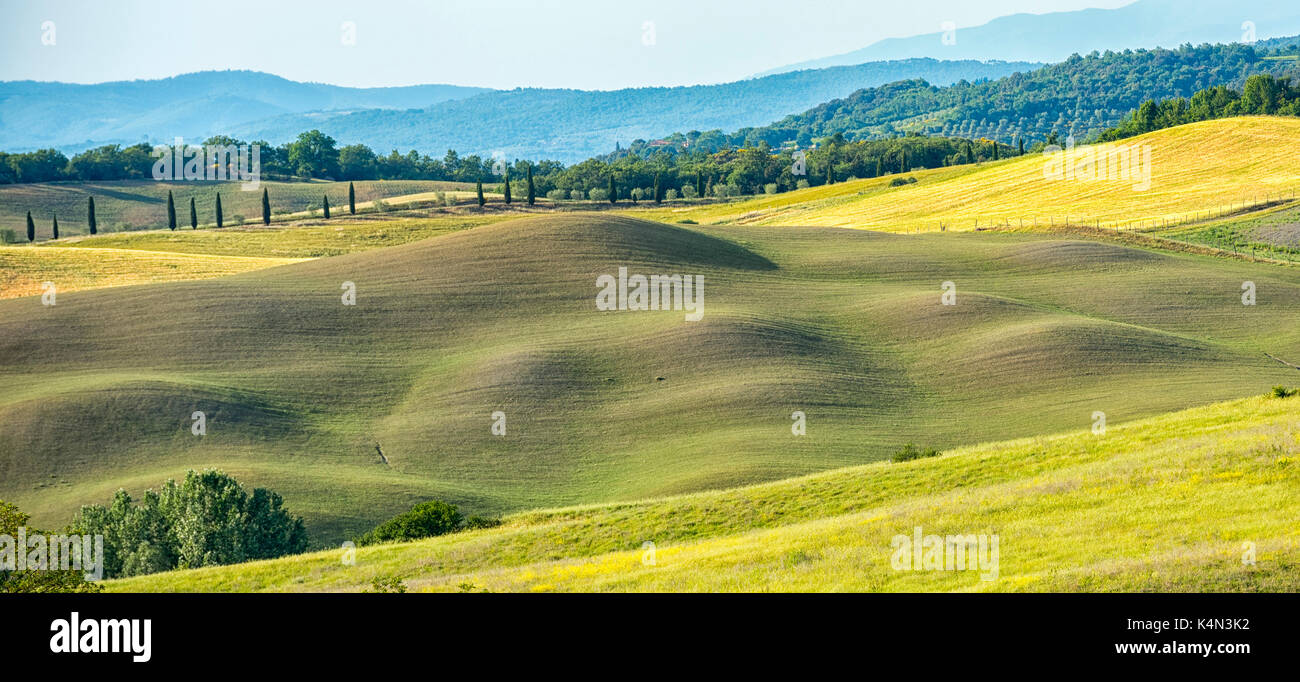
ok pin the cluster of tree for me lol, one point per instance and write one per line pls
(1262, 94)
(208, 519)
(31, 580)
(424, 520)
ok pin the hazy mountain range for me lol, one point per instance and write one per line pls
(1055, 36)
(567, 125)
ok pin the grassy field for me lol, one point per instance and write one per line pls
(1197, 169)
(1162, 504)
(125, 205)
(306, 238)
(846, 325)
(24, 269)
(1273, 233)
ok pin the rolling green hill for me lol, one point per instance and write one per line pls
(97, 392)
(1199, 500)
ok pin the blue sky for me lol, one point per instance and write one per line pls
(590, 44)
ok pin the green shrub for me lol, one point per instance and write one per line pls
(687, 221)
(910, 452)
(423, 520)
(1281, 391)
(387, 584)
(477, 522)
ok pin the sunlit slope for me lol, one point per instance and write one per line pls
(846, 326)
(25, 269)
(1200, 500)
(1195, 169)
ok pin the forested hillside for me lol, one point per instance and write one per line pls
(1081, 96)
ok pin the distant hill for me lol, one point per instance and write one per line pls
(72, 117)
(1053, 37)
(571, 125)
(567, 125)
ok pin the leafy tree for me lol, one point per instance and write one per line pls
(423, 520)
(220, 217)
(358, 162)
(352, 199)
(171, 211)
(194, 216)
(90, 214)
(207, 519)
(31, 228)
(313, 155)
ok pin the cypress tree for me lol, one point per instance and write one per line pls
(266, 207)
(880, 166)
(1022, 146)
(613, 190)
(507, 184)
(532, 193)
(31, 228)
(220, 218)
(90, 214)
(830, 174)
(325, 204)
(171, 211)
(194, 216)
(902, 162)
(659, 197)
(481, 200)
(699, 184)
(352, 199)
(995, 150)
(56, 225)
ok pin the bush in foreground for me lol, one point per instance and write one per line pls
(424, 520)
(206, 520)
(910, 452)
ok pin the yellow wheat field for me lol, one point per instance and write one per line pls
(1196, 170)
(24, 269)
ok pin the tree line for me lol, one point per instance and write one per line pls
(1261, 95)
